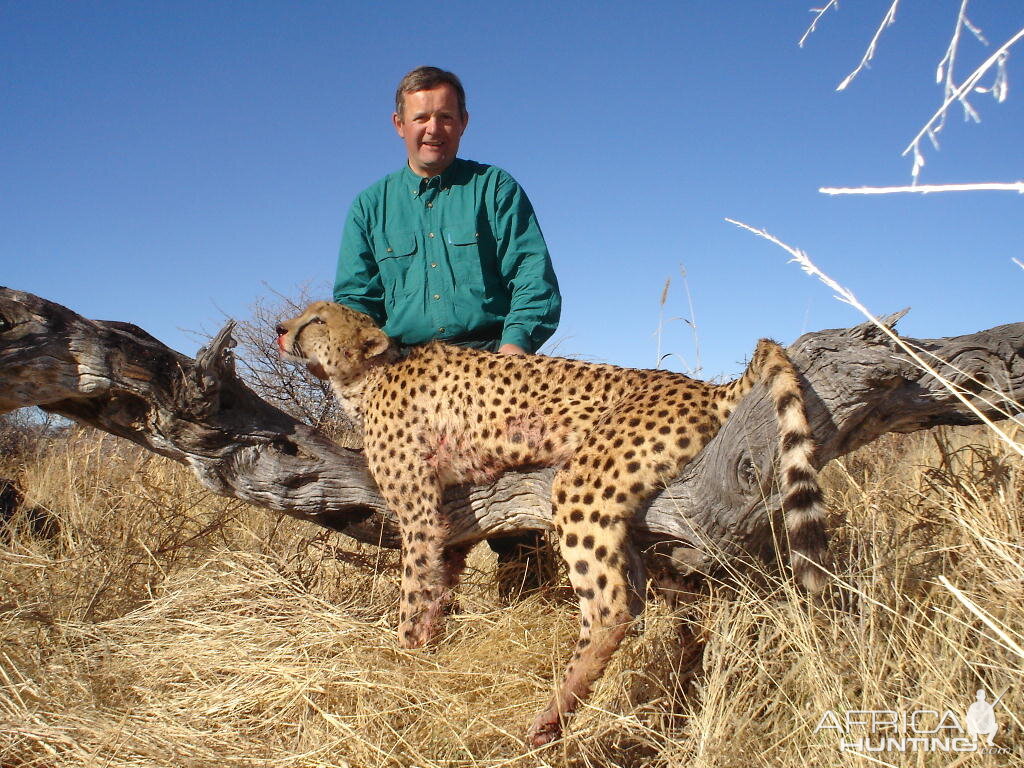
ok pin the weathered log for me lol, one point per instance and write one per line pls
(116, 377)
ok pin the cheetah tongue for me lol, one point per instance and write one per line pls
(317, 370)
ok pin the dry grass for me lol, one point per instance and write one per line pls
(164, 626)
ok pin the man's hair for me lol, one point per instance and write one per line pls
(425, 78)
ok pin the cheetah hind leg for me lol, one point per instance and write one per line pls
(608, 578)
(454, 565)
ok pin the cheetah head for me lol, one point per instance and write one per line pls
(335, 342)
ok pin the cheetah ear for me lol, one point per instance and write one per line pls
(374, 342)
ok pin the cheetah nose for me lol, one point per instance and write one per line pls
(280, 330)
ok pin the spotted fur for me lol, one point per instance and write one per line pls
(444, 415)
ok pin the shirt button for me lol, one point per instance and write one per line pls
(430, 235)
(430, 205)
(440, 330)
(391, 250)
(437, 297)
(434, 265)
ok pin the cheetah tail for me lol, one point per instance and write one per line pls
(802, 498)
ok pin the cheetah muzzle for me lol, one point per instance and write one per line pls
(444, 415)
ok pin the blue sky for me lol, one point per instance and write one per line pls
(163, 163)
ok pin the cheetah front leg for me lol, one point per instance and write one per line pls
(606, 575)
(429, 572)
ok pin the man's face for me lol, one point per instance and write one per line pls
(431, 126)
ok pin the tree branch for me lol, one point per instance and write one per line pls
(116, 377)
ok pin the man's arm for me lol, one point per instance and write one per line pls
(357, 282)
(535, 302)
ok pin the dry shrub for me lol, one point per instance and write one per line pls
(165, 626)
(290, 387)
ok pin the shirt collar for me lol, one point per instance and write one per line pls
(418, 184)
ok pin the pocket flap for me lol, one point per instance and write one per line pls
(399, 245)
(463, 237)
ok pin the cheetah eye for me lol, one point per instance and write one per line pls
(5, 324)
(318, 321)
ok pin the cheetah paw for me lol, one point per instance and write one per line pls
(546, 728)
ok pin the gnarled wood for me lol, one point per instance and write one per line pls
(116, 377)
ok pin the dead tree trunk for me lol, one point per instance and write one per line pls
(116, 377)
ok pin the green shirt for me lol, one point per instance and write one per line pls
(458, 257)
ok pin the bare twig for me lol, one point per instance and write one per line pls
(998, 89)
(890, 18)
(814, 24)
(944, 72)
(1012, 186)
(952, 92)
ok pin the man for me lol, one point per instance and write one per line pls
(447, 248)
(450, 249)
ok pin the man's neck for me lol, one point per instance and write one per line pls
(428, 173)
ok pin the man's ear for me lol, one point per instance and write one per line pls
(465, 123)
(374, 342)
(396, 120)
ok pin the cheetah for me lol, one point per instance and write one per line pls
(438, 415)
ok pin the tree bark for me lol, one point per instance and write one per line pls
(116, 377)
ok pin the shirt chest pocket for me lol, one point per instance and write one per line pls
(464, 252)
(394, 252)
